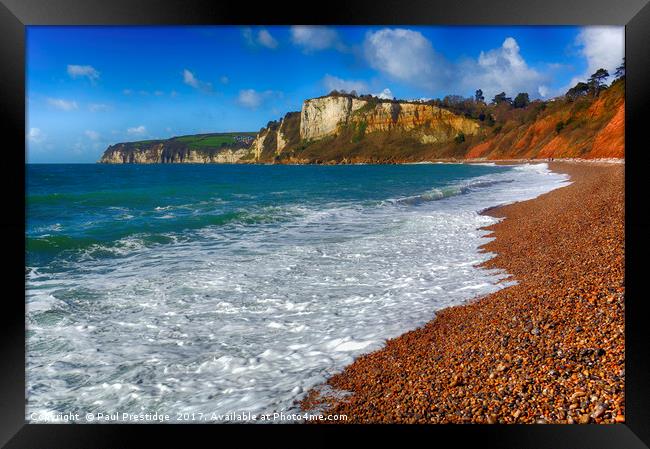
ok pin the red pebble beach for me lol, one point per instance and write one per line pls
(549, 349)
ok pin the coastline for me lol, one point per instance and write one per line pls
(427, 161)
(549, 349)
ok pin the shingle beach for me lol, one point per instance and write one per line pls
(549, 349)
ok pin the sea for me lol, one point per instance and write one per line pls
(232, 290)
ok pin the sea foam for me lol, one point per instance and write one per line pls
(248, 317)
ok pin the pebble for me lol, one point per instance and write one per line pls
(599, 411)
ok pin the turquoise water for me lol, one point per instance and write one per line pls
(231, 288)
(74, 207)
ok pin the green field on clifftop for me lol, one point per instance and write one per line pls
(200, 141)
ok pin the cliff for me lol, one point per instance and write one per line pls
(322, 117)
(587, 128)
(201, 148)
(343, 128)
(272, 140)
(347, 129)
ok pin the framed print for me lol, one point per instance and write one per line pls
(420, 218)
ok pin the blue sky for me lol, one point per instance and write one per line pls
(89, 87)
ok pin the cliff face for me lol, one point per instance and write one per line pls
(329, 129)
(346, 129)
(585, 128)
(434, 124)
(224, 148)
(123, 153)
(323, 117)
(275, 138)
(265, 143)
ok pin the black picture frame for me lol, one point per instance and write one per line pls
(16, 14)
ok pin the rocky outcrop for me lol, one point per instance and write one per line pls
(321, 117)
(275, 138)
(129, 153)
(433, 123)
(200, 149)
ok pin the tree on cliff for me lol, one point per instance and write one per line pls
(501, 98)
(620, 70)
(576, 91)
(597, 81)
(521, 100)
(478, 96)
(453, 100)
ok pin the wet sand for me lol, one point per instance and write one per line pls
(547, 350)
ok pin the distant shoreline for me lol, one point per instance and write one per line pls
(436, 161)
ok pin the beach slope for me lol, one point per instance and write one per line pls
(549, 349)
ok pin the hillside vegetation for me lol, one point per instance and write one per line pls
(587, 126)
(587, 122)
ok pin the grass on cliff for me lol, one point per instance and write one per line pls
(202, 141)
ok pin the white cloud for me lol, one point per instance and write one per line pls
(64, 105)
(501, 69)
(335, 83)
(264, 38)
(87, 71)
(386, 94)
(252, 99)
(142, 92)
(137, 130)
(224, 79)
(247, 33)
(191, 80)
(98, 107)
(35, 135)
(405, 55)
(315, 38)
(92, 135)
(159, 93)
(603, 47)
